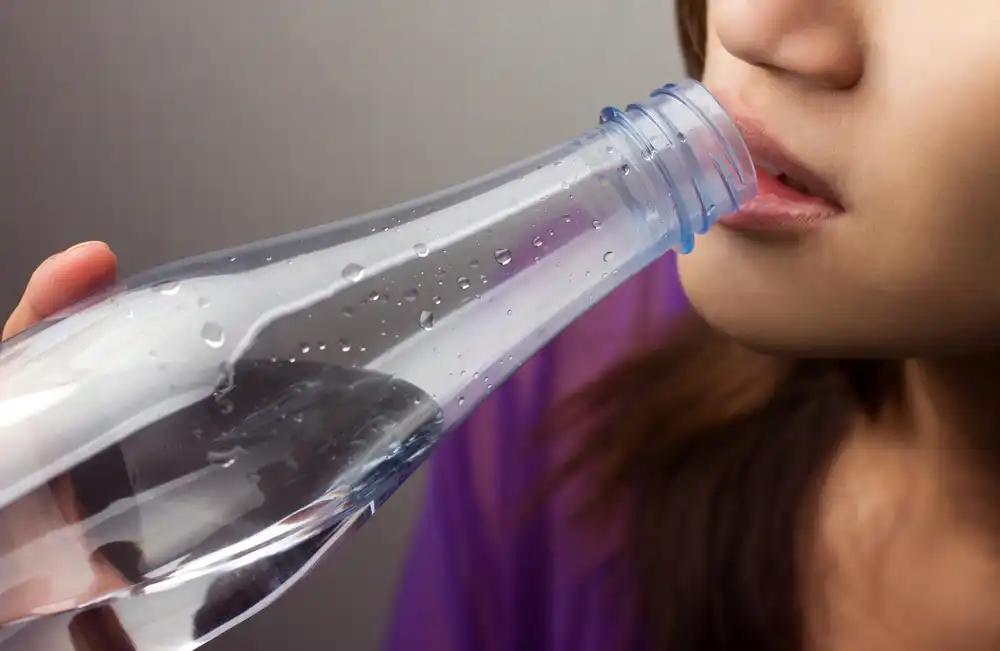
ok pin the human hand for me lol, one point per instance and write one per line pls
(56, 284)
(60, 281)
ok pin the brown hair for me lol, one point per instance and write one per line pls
(718, 451)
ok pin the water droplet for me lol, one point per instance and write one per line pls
(567, 218)
(421, 250)
(129, 314)
(304, 348)
(298, 418)
(509, 312)
(204, 302)
(680, 134)
(268, 259)
(625, 170)
(345, 346)
(374, 296)
(565, 185)
(484, 279)
(647, 154)
(502, 256)
(436, 300)
(232, 259)
(596, 223)
(557, 163)
(474, 264)
(411, 295)
(426, 320)
(213, 335)
(461, 401)
(463, 282)
(609, 256)
(348, 312)
(537, 242)
(292, 360)
(353, 272)
(610, 149)
(170, 289)
(321, 345)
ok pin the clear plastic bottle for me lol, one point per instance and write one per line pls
(230, 406)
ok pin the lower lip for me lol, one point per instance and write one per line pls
(778, 208)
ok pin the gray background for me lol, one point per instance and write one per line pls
(175, 127)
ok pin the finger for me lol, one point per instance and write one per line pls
(61, 281)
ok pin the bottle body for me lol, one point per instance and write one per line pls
(254, 398)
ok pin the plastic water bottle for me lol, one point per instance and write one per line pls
(235, 406)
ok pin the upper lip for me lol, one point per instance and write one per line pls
(774, 159)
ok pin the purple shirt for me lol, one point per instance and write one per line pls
(481, 576)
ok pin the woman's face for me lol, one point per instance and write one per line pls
(893, 109)
(895, 106)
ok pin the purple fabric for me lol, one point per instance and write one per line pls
(483, 577)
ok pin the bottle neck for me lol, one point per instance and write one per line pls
(532, 247)
(694, 162)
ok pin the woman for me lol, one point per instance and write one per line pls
(810, 464)
(813, 465)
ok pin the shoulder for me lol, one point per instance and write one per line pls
(491, 567)
(495, 453)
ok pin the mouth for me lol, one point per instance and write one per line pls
(791, 196)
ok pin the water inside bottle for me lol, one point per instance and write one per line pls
(282, 451)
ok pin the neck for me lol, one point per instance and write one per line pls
(952, 411)
(955, 399)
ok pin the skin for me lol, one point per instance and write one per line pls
(58, 283)
(894, 103)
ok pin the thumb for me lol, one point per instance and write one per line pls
(61, 281)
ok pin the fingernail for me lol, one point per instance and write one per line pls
(80, 246)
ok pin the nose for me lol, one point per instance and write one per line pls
(818, 42)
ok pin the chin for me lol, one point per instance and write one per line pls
(772, 297)
(819, 334)
(790, 324)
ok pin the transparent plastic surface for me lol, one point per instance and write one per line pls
(236, 405)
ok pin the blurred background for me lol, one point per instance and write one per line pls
(176, 127)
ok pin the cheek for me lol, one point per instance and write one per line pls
(925, 174)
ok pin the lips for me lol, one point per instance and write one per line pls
(791, 196)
